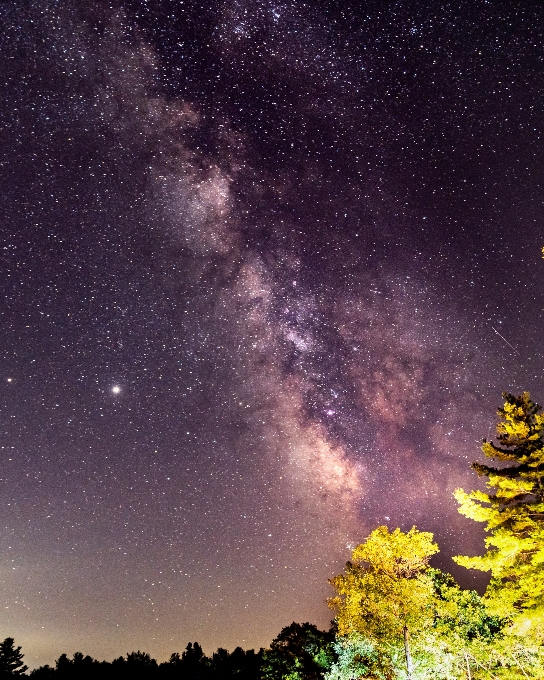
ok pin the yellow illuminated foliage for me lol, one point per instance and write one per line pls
(513, 511)
(384, 587)
(384, 593)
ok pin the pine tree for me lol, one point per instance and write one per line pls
(11, 659)
(514, 514)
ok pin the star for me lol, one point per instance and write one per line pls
(116, 389)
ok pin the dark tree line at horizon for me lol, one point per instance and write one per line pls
(302, 648)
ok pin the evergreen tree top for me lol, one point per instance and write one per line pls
(520, 431)
(521, 441)
(11, 659)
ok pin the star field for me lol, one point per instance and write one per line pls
(266, 269)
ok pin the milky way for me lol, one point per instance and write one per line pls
(267, 268)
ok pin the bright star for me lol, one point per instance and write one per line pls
(116, 389)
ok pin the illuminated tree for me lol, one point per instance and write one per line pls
(514, 515)
(385, 594)
(357, 658)
(462, 639)
(11, 659)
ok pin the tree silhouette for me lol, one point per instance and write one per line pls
(11, 659)
(193, 664)
(299, 652)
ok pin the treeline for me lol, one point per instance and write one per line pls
(300, 650)
(191, 664)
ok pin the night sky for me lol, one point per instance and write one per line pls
(266, 269)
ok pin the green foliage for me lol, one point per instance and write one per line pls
(11, 659)
(463, 633)
(461, 614)
(358, 658)
(514, 515)
(437, 659)
(299, 652)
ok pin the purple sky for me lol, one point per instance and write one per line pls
(266, 269)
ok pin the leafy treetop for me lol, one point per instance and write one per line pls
(384, 593)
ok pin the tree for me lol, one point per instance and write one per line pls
(11, 659)
(43, 673)
(63, 666)
(80, 666)
(385, 594)
(356, 657)
(137, 666)
(514, 515)
(193, 660)
(239, 664)
(464, 635)
(299, 652)
(140, 665)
